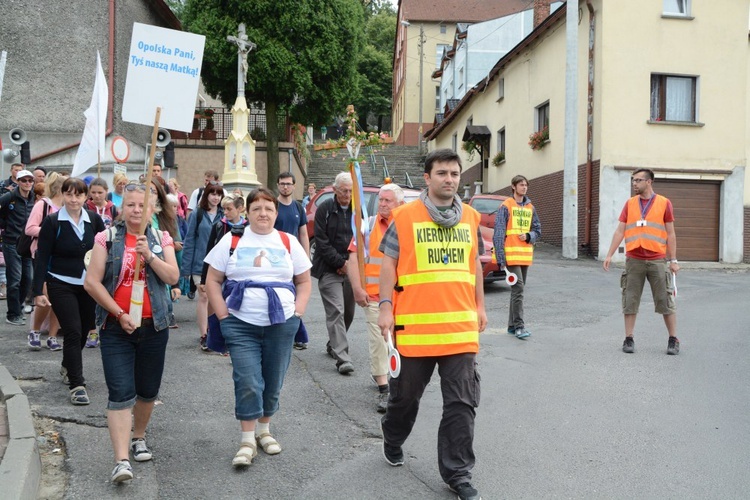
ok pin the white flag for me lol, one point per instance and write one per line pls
(93, 138)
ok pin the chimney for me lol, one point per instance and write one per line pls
(541, 11)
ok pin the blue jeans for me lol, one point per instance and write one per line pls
(260, 359)
(133, 364)
(18, 273)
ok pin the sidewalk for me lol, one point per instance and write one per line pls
(20, 465)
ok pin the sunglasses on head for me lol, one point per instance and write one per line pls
(215, 183)
(133, 187)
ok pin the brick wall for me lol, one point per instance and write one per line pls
(746, 236)
(546, 194)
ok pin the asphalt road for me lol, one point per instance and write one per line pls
(564, 414)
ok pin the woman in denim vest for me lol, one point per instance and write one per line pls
(123, 344)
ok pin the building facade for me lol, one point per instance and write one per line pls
(426, 28)
(667, 81)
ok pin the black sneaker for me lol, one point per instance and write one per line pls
(466, 491)
(204, 343)
(394, 455)
(141, 453)
(673, 347)
(629, 345)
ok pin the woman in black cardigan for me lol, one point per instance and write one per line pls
(64, 239)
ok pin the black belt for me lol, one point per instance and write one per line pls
(144, 321)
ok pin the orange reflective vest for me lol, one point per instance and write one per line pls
(436, 311)
(649, 233)
(375, 260)
(517, 252)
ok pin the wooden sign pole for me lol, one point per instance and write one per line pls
(136, 297)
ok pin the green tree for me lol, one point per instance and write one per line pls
(375, 67)
(305, 62)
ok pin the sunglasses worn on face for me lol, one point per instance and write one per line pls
(25, 180)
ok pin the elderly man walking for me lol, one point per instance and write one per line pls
(333, 233)
(389, 197)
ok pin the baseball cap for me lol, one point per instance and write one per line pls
(24, 173)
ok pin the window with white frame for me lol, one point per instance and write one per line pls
(541, 117)
(443, 29)
(674, 98)
(437, 97)
(501, 141)
(677, 7)
(501, 89)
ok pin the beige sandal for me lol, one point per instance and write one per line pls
(269, 444)
(245, 455)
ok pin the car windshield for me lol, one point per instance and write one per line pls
(485, 205)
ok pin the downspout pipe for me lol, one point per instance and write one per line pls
(110, 89)
(589, 128)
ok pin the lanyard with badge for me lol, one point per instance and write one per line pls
(644, 211)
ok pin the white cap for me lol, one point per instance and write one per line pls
(24, 173)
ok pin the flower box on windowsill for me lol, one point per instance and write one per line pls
(195, 134)
(209, 134)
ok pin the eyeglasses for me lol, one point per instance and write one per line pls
(25, 180)
(133, 187)
(286, 184)
(638, 180)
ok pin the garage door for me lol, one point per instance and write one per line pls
(696, 214)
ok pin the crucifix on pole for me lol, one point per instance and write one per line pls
(244, 46)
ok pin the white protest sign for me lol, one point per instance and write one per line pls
(164, 70)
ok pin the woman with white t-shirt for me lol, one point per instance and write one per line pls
(259, 305)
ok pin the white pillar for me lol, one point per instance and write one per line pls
(570, 177)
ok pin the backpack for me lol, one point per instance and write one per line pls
(23, 245)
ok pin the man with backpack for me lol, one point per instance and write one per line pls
(209, 176)
(292, 220)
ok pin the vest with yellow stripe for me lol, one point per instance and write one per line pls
(435, 310)
(374, 261)
(517, 252)
(653, 234)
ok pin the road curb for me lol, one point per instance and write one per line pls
(21, 466)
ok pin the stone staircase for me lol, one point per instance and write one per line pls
(325, 164)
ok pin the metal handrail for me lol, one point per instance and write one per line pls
(408, 180)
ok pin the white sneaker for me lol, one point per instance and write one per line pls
(122, 471)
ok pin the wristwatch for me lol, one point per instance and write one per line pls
(673, 261)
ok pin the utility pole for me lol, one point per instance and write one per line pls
(570, 169)
(421, 80)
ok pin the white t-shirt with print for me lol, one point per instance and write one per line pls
(261, 258)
